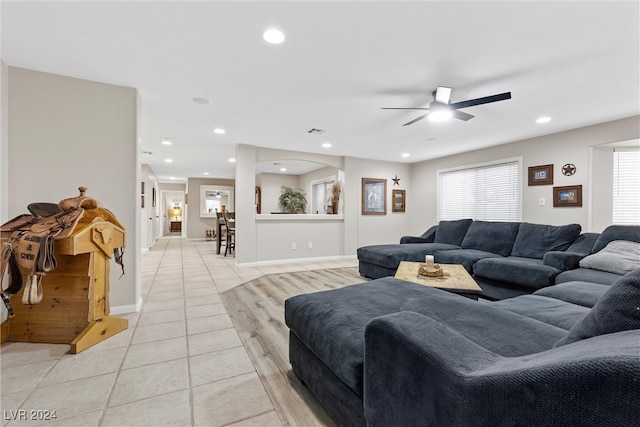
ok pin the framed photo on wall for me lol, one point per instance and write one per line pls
(570, 195)
(541, 175)
(399, 198)
(374, 196)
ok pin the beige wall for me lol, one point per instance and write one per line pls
(196, 226)
(4, 142)
(66, 133)
(574, 146)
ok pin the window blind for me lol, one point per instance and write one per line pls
(487, 192)
(626, 186)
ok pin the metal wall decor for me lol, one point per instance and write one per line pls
(568, 169)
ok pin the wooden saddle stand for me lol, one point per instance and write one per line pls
(57, 261)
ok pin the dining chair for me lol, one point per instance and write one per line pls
(230, 245)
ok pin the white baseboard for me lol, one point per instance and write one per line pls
(125, 309)
(296, 260)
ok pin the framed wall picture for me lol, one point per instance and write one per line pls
(399, 198)
(541, 175)
(374, 196)
(570, 195)
(153, 197)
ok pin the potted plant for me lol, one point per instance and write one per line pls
(292, 201)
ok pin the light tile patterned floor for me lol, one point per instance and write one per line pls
(179, 363)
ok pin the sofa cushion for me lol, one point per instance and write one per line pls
(581, 293)
(452, 232)
(617, 232)
(494, 237)
(587, 275)
(389, 256)
(619, 256)
(529, 272)
(618, 310)
(534, 240)
(553, 311)
(466, 257)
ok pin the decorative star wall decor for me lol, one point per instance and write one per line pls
(569, 169)
(396, 180)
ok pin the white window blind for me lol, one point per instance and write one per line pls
(487, 192)
(626, 186)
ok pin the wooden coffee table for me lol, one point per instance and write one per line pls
(456, 279)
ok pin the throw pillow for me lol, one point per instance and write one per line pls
(619, 256)
(534, 240)
(617, 310)
(452, 232)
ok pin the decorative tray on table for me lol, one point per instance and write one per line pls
(433, 270)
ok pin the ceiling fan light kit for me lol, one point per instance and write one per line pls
(440, 109)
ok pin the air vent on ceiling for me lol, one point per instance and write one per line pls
(315, 131)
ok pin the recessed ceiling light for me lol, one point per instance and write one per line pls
(203, 101)
(168, 160)
(405, 154)
(166, 142)
(326, 145)
(273, 36)
(205, 173)
(232, 160)
(283, 169)
(219, 131)
(543, 119)
(172, 178)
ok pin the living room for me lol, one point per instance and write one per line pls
(71, 122)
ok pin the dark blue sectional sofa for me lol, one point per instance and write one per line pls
(506, 259)
(394, 353)
(564, 352)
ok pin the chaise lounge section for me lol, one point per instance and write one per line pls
(391, 352)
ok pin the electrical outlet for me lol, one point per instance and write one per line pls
(293, 246)
(310, 245)
(542, 201)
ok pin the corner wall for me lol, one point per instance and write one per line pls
(66, 133)
(573, 146)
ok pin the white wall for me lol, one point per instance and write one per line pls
(4, 142)
(572, 146)
(67, 133)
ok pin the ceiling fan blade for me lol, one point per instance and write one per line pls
(403, 108)
(415, 120)
(442, 94)
(462, 115)
(479, 101)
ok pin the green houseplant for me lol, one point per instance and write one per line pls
(292, 201)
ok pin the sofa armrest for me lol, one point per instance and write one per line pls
(418, 371)
(426, 237)
(562, 260)
(414, 239)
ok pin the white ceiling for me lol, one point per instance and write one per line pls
(577, 62)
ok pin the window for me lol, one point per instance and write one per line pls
(321, 195)
(489, 192)
(626, 190)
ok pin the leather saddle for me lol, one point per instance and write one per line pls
(31, 244)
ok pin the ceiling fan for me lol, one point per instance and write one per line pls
(441, 109)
